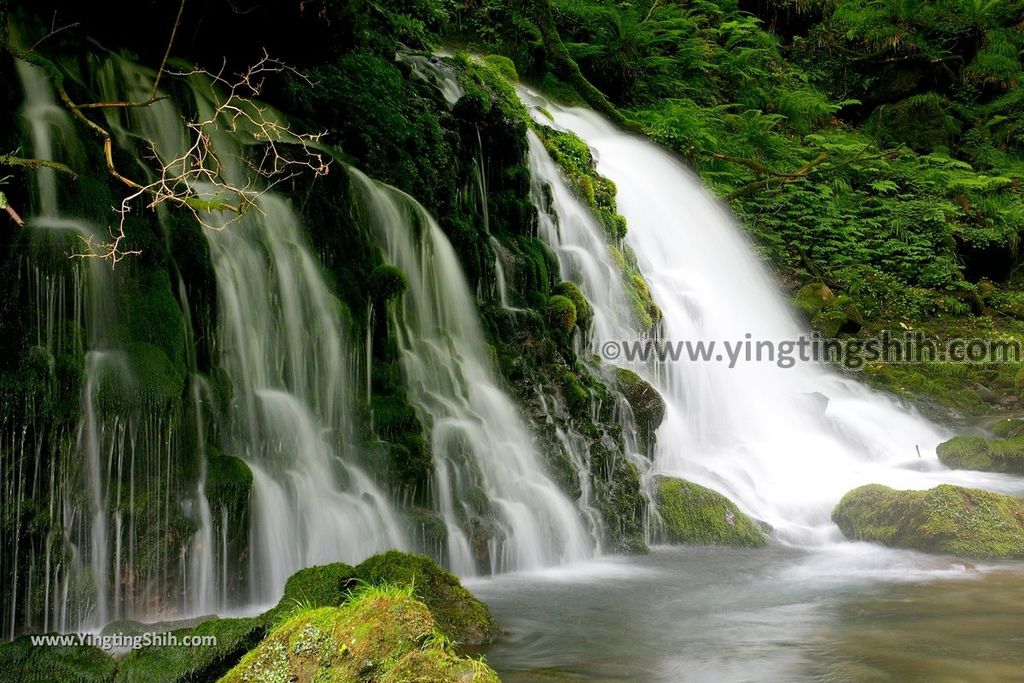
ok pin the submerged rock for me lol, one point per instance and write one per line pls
(698, 515)
(382, 634)
(987, 455)
(946, 519)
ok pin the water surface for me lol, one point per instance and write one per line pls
(852, 612)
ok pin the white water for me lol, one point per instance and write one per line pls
(756, 432)
(284, 344)
(282, 340)
(501, 510)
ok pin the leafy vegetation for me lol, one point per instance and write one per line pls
(872, 147)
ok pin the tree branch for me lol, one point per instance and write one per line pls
(10, 160)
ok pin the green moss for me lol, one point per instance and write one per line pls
(381, 634)
(163, 664)
(945, 519)
(22, 662)
(584, 312)
(646, 403)
(325, 585)
(151, 315)
(459, 615)
(828, 313)
(386, 283)
(561, 314)
(978, 453)
(694, 514)
(1007, 429)
(228, 483)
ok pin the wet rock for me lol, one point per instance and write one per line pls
(946, 519)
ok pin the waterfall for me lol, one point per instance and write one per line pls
(285, 346)
(93, 472)
(501, 511)
(756, 432)
(128, 487)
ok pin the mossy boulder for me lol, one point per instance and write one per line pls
(459, 615)
(24, 662)
(946, 519)
(327, 585)
(1007, 429)
(646, 403)
(383, 634)
(584, 312)
(162, 664)
(387, 282)
(228, 485)
(561, 314)
(693, 514)
(987, 455)
(830, 314)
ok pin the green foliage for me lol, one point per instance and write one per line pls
(584, 313)
(946, 519)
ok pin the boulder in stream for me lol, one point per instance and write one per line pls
(946, 519)
(693, 514)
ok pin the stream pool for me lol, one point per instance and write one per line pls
(844, 612)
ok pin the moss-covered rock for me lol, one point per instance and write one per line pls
(381, 634)
(228, 484)
(828, 313)
(945, 519)
(163, 664)
(561, 314)
(979, 453)
(387, 282)
(647, 404)
(459, 615)
(1007, 429)
(694, 514)
(327, 585)
(24, 662)
(584, 312)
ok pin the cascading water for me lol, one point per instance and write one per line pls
(88, 576)
(128, 488)
(501, 511)
(284, 347)
(757, 432)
